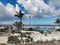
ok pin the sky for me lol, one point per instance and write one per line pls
(41, 11)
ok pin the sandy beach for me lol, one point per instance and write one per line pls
(3, 39)
(42, 43)
(37, 37)
(36, 43)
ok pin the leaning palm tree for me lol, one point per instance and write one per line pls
(19, 15)
(58, 22)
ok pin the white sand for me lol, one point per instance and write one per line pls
(3, 39)
(15, 34)
(37, 36)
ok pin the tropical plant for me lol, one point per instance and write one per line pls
(18, 25)
(58, 21)
(19, 15)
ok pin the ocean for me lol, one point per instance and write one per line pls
(43, 27)
(46, 29)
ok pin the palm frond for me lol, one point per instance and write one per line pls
(19, 14)
(18, 24)
(57, 21)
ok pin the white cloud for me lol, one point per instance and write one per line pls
(7, 11)
(20, 1)
(17, 8)
(10, 8)
(40, 8)
(55, 3)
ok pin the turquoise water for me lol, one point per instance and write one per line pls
(46, 29)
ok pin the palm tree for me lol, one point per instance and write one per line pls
(58, 22)
(19, 15)
(18, 25)
(29, 19)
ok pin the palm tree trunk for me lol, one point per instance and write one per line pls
(21, 22)
(21, 28)
(29, 20)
